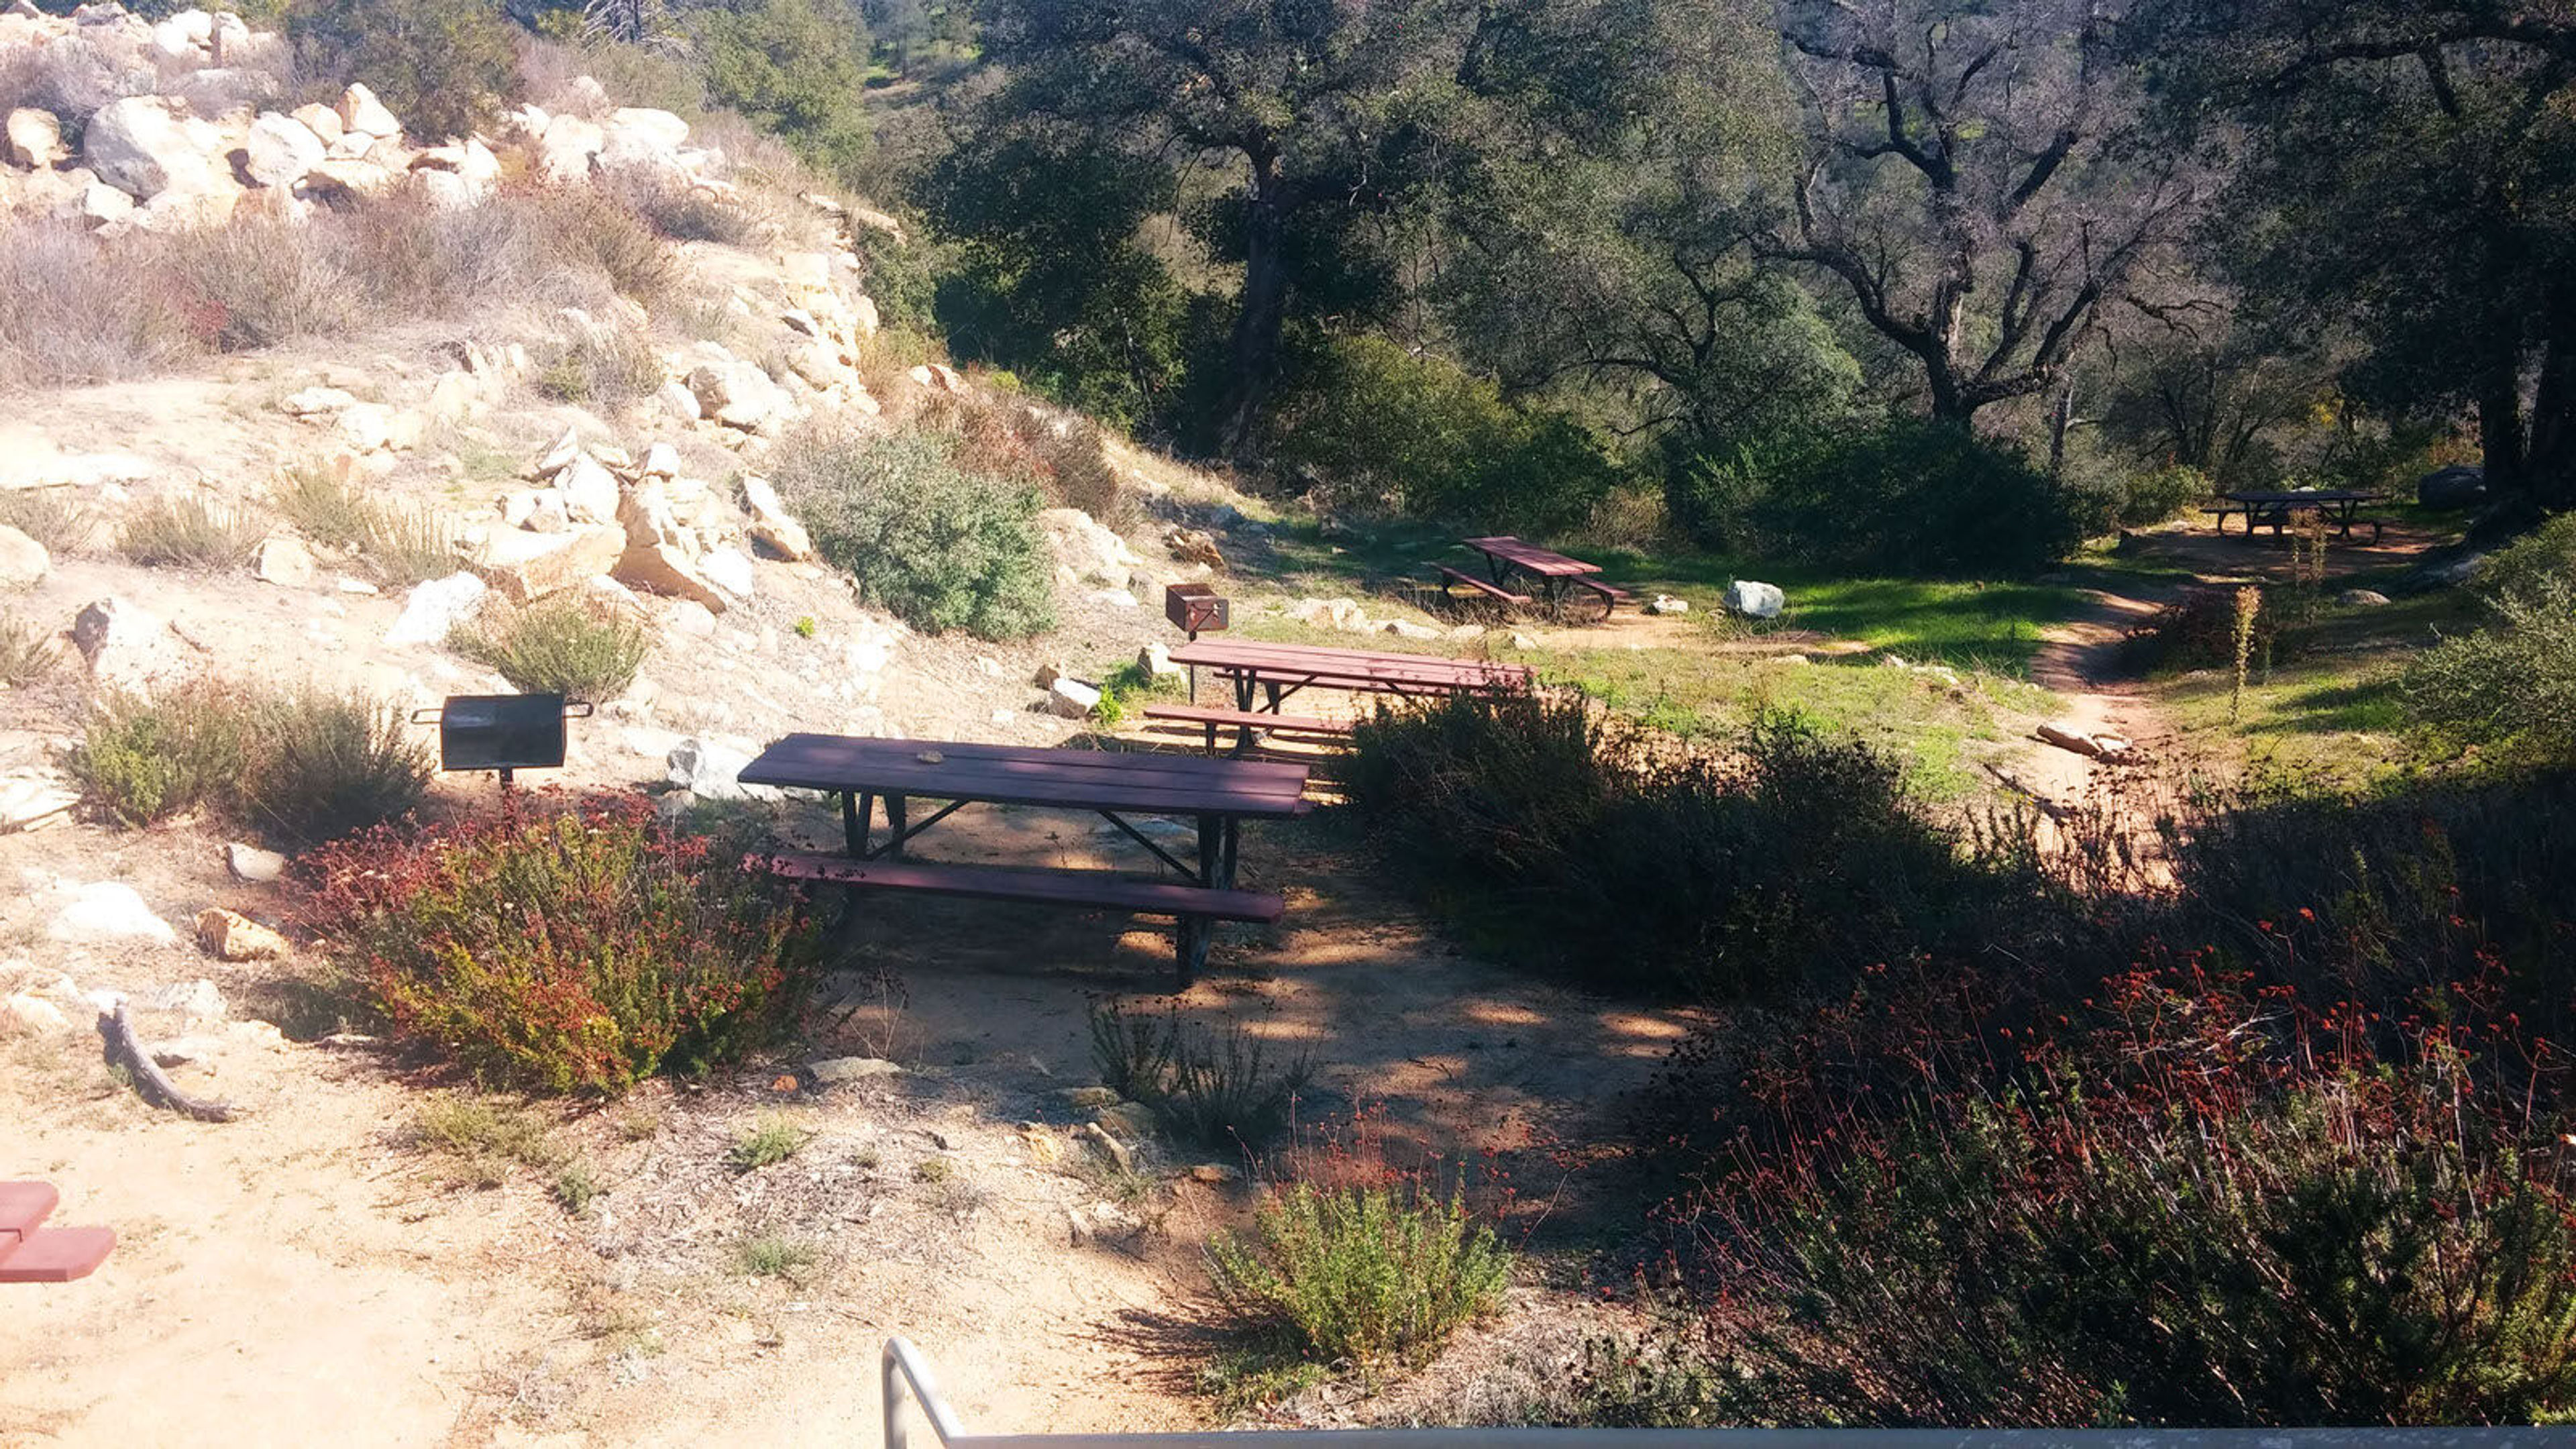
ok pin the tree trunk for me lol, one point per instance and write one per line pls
(2549, 448)
(1253, 355)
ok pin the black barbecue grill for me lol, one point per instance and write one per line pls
(503, 732)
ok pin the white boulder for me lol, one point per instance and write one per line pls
(23, 561)
(361, 113)
(434, 609)
(1755, 600)
(33, 139)
(109, 912)
(148, 145)
(280, 150)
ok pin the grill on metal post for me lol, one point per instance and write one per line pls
(1192, 608)
(501, 732)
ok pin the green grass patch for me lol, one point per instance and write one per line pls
(775, 1255)
(769, 1141)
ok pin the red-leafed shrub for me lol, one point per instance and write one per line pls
(2198, 1203)
(568, 951)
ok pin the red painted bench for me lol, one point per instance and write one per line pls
(1191, 906)
(1246, 723)
(1450, 576)
(32, 1254)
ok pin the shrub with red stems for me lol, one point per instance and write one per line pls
(567, 950)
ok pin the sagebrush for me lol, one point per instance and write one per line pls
(557, 646)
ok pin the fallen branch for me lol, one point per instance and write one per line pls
(149, 1080)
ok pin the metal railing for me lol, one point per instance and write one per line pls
(908, 1375)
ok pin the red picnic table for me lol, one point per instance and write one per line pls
(1273, 672)
(1219, 794)
(33, 1254)
(1555, 573)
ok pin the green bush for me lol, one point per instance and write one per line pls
(1367, 417)
(1909, 498)
(304, 766)
(330, 764)
(939, 547)
(572, 952)
(1368, 1274)
(442, 68)
(2150, 498)
(2512, 682)
(1583, 846)
(798, 69)
(558, 646)
(143, 760)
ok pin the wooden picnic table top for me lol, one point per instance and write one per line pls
(1369, 669)
(1521, 554)
(1146, 784)
(2298, 496)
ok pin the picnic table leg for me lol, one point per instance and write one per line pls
(1242, 691)
(1271, 688)
(894, 825)
(857, 813)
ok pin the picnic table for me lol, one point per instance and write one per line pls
(2275, 508)
(1217, 794)
(1553, 572)
(1277, 671)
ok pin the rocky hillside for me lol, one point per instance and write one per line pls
(554, 426)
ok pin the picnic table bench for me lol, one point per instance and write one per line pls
(1273, 672)
(1248, 725)
(30, 1253)
(2339, 505)
(1554, 572)
(1218, 794)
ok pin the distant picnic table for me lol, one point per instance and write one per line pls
(1553, 572)
(2276, 508)
(1277, 671)
(30, 1253)
(1217, 794)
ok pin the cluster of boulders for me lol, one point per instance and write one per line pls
(1350, 616)
(180, 123)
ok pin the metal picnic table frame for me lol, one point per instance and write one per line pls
(2275, 507)
(1219, 794)
(1266, 675)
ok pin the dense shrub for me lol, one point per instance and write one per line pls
(1908, 498)
(257, 283)
(2152, 497)
(1597, 849)
(573, 951)
(303, 766)
(1362, 1273)
(2204, 1206)
(558, 646)
(2513, 681)
(938, 546)
(329, 764)
(442, 68)
(797, 68)
(1373, 420)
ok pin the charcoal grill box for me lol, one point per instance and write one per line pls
(1194, 608)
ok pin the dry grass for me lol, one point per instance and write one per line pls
(54, 517)
(27, 652)
(409, 543)
(76, 308)
(186, 532)
(602, 366)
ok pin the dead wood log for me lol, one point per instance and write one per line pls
(149, 1080)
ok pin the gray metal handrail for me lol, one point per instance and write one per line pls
(905, 1368)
